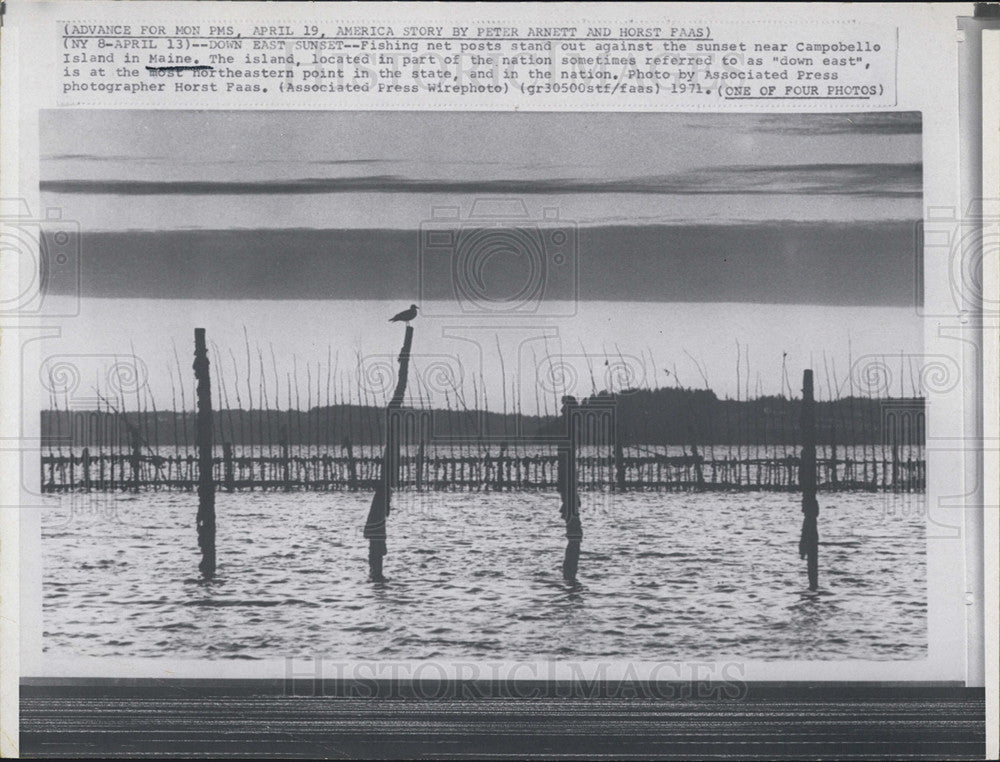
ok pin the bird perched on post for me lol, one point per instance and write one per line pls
(405, 316)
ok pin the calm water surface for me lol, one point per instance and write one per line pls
(662, 577)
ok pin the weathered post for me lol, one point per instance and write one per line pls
(568, 492)
(699, 471)
(227, 459)
(833, 457)
(420, 467)
(501, 466)
(206, 482)
(286, 463)
(809, 541)
(895, 453)
(375, 529)
(85, 459)
(352, 466)
(486, 482)
(135, 456)
(619, 450)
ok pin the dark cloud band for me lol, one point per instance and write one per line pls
(887, 179)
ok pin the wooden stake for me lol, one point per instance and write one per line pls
(135, 457)
(809, 541)
(86, 468)
(699, 471)
(568, 490)
(206, 483)
(619, 436)
(420, 467)
(501, 465)
(286, 463)
(375, 526)
(352, 466)
(227, 459)
(833, 457)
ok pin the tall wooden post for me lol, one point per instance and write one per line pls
(568, 491)
(809, 541)
(227, 461)
(206, 482)
(375, 529)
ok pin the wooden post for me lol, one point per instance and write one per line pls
(895, 455)
(206, 482)
(833, 457)
(501, 465)
(420, 467)
(486, 482)
(286, 463)
(699, 472)
(809, 541)
(352, 466)
(375, 527)
(86, 468)
(619, 451)
(135, 457)
(227, 459)
(570, 509)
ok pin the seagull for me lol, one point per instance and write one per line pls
(405, 316)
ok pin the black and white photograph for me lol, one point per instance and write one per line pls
(415, 385)
(537, 380)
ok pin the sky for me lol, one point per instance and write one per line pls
(169, 170)
(675, 235)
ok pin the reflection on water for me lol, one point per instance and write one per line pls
(662, 577)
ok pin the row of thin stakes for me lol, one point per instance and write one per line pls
(664, 438)
(490, 467)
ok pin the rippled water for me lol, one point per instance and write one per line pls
(662, 576)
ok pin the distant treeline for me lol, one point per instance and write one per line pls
(696, 416)
(672, 416)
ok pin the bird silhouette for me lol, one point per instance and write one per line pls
(405, 316)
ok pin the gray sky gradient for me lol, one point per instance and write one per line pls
(170, 170)
(792, 234)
